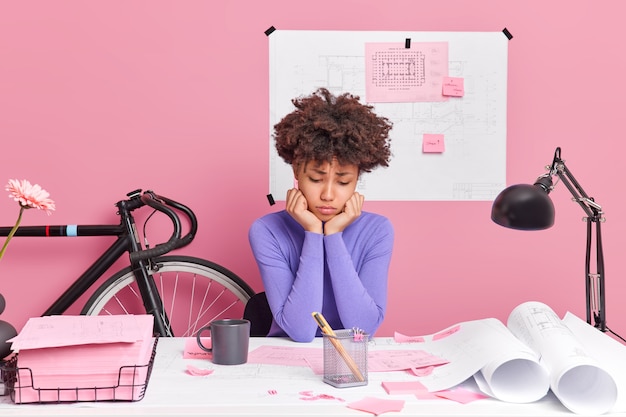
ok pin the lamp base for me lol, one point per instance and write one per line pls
(7, 331)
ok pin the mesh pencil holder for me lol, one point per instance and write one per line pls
(345, 358)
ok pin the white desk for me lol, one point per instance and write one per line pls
(244, 390)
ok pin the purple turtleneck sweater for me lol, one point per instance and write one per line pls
(343, 275)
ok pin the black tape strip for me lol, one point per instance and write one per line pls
(270, 30)
(271, 199)
(507, 33)
(407, 43)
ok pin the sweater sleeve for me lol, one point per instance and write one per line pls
(293, 279)
(359, 280)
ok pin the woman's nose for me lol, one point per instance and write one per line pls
(327, 193)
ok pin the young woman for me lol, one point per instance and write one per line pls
(323, 252)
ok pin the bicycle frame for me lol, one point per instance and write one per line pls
(127, 241)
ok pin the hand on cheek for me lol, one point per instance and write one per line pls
(296, 205)
(351, 211)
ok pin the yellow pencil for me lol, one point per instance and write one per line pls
(327, 330)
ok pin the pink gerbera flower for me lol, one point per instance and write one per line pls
(28, 196)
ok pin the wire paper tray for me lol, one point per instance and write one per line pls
(131, 385)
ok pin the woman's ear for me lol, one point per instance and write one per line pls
(296, 169)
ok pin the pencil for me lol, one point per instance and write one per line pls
(327, 330)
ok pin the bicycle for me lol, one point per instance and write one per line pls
(183, 293)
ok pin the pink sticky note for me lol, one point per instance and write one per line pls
(453, 86)
(447, 332)
(433, 143)
(193, 351)
(426, 395)
(377, 406)
(195, 371)
(461, 395)
(402, 338)
(403, 387)
(425, 371)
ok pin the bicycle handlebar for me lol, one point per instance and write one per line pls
(168, 207)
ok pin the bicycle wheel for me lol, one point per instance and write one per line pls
(194, 292)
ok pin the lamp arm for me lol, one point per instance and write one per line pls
(592, 209)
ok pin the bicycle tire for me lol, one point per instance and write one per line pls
(194, 292)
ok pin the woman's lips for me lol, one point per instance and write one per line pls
(327, 210)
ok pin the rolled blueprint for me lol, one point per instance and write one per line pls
(576, 378)
(514, 373)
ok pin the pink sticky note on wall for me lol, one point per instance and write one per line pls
(433, 143)
(453, 86)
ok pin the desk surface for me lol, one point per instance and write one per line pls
(269, 390)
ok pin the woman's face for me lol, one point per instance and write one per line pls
(326, 186)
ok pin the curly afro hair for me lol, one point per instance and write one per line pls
(325, 126)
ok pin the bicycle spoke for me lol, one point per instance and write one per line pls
(193, 292)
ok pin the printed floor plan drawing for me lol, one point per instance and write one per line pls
(404, 84)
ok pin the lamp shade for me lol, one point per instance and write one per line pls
(523, 207)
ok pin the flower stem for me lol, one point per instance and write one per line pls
(12, 232)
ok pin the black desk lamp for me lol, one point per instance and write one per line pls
(528, 207)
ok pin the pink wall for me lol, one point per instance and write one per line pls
(90, 89)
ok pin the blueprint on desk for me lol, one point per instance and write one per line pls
(472, 165)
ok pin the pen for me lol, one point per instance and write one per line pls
(327, 330)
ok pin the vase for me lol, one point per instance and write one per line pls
(7, 331)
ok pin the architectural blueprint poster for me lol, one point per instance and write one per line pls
(401, 73)
(467, 158)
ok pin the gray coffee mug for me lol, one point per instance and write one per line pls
(229, 341)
